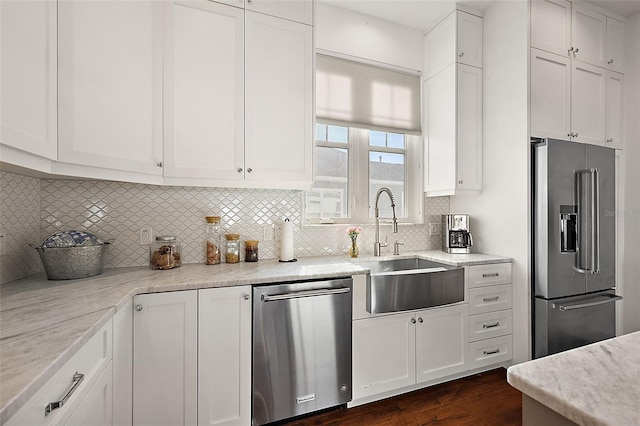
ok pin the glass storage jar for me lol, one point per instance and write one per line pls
(212, 253)
(251, 251)
(233, 248)
(165, 252)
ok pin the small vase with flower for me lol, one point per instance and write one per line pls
(353, 233)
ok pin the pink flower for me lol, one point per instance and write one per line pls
(353, 232)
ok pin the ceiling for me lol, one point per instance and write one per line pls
(424, 14)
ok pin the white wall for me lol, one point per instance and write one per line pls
(631, 213)
(350, 33)
(500, 213)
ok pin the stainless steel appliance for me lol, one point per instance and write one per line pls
(456, 235)
(573, 245)
(301, 348)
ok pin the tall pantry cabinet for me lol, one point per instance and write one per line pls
(576, 73)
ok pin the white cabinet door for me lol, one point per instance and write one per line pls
(615, 45)
(110, 84)
(297, 10)
(588, 102)
(469, 135)
(588, 35)
(614, 122)
(204, 90)
(439, 97)
(123, 366)
(224, 356)
(469, 39)
(28, 73)
(279, 107)
(165, 351)
(96, 409)
(442, 340)
(383, 354)
(550, 90)
(551, 26)
(440, 46)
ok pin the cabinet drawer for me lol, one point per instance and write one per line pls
(490, 351)
(483, 275)
(489, 299)
(90, 360)
(491, 324)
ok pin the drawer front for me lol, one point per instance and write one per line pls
(90, 360)
(490, 351)
(491, 324)
(483, 275)
(489, 299)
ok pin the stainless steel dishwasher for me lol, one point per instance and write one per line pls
(301, 348)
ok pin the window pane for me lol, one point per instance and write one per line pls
(395, 140)
(338, 134)
(386, 169)
(321, 132)
(377, 138)
(328, 197)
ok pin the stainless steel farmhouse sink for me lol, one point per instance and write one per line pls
(406, 284)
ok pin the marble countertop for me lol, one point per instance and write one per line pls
(598, 384)
(43, 323)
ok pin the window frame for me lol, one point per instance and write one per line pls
(358, 176)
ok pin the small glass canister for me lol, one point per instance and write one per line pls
(213, 240)
(251, 251)
(165, 252)
(233, 248)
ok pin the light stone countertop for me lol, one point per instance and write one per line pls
(598, 384)
(43, 323)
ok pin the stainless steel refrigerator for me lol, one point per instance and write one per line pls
(573, 245)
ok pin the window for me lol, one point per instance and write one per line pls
(367, 137)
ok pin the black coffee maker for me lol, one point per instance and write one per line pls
(456, 236)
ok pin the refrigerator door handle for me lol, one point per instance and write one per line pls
(601, 300)
(588, 251)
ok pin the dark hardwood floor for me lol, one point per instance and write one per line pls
(481, 399)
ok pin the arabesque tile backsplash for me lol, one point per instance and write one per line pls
(31, 209)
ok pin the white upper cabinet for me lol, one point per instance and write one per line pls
(296, 10)
(615, 45)
(550, 80)
(614, 120)
(279, 101)
(28, 77)
(110, 85)
(552, 31)
(203, 90)
(458, 38)
(588, 103)
(588, 36)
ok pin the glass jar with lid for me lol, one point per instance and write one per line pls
(251, 250)
(165, 252)
(212, 244)
(233, 248)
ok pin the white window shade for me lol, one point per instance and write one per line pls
(366, 96)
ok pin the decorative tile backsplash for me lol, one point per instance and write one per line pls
(32, 209)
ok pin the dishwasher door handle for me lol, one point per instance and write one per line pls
(304, 293)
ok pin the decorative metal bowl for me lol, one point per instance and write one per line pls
(70, 263)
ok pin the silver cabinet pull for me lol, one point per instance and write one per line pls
(159, 164)
(461, 54)
(497, 351)
(493, 274)
(610, 140)
(77, 379)
(610, 61)
(570, 49)
(246, 297)
(249, 170)
(239, 169)
(413, 320)
(575, 135)
(138, 308)
(420, 320)
(495, 324)
(491, 299)
(460, 182)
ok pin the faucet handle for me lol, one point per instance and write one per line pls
(396, 247)
(386, 237)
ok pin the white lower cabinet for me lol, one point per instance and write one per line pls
(165, 350)
(83, 384)
(224, 356)
(399, 350)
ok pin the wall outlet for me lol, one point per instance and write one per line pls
(267, 233)
(278, 230)
(146, 234)
(434, 229)
(3, 237)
